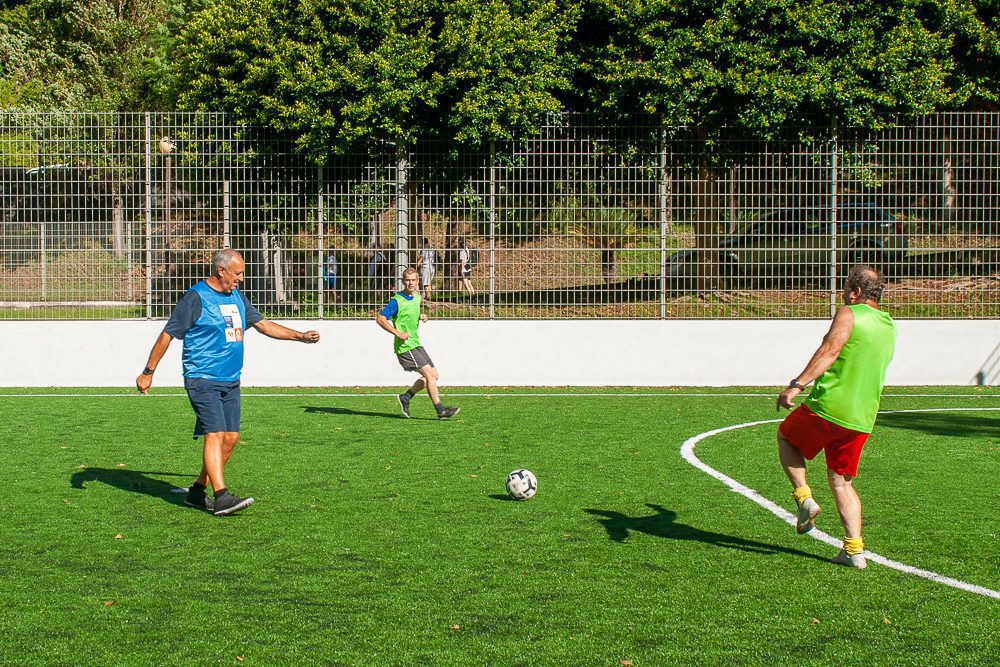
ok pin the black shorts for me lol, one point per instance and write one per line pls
(415, 359)
(216, 405)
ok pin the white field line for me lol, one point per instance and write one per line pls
(687, 451)
(251, 394)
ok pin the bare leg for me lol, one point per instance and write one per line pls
(792, 461)
(418, 386)
(218, 448)
(213, 459)
(430, 376)
(848, 502)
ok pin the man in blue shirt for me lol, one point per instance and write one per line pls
(211, 318)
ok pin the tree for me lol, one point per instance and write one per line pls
(341, 78)
(758, 70)
(94, 55)
(333, 73)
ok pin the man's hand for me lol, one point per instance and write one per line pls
(401, 335)
(423, 317)
(143, 383)
(309, 336)
(786, 397)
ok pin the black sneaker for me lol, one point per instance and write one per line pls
(404, 404)
(199, 499)
(447, 413)
(228, 503)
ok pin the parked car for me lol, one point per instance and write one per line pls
(792, 247)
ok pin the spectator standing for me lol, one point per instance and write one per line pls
(427, 266)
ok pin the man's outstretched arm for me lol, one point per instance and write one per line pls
(279, 332)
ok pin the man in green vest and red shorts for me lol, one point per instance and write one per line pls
(839, 414)
(401, 317)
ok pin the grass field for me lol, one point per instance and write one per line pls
(381, 541)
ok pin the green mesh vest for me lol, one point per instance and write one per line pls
(848, 392)
(407, 320)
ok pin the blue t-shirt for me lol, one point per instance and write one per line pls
(212, 326)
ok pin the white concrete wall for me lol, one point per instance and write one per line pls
(499, 353)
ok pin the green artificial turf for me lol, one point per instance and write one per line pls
(377, 540)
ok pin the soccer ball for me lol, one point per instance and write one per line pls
(521, 484)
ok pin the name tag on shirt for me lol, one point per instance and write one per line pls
(234, 323)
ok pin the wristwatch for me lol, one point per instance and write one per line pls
(148, 371)
(795, 384)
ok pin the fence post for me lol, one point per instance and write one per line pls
(402, 211)
(833, 217)
(321, 237)
(493, 225)
(226, 242)
(149, 217)
(664, 204)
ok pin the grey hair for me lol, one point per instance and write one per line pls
(869, 281)
(223, 259)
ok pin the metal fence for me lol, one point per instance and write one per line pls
(115, 215)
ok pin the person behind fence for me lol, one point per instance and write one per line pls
(401, 317)
(467, 258)
(380, 270)
(839, 414)
(426, 264)
(609, 264)
(330, 271)
(211, 318)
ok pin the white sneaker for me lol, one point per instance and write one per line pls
(856, 561)
(804, 516)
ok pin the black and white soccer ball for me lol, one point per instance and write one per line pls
(521, 484)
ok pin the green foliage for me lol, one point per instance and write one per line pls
(750, 68)
(92, 55)
(333, 74)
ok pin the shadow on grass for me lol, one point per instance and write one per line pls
(947, 424)
(664, 524)
(330, 410)
(503, 497)
(134, 481)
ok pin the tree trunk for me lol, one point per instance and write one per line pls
(707, 231)
(117, 225)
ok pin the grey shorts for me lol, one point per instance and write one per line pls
(216, 405)
(415, 359)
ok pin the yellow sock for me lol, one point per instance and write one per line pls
(800, 494)
(853, 545)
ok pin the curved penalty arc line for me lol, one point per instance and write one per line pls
(687, 452)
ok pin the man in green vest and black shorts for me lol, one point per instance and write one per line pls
(401, 317)
(839, 414)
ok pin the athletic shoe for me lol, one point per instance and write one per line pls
(804, 516)
(856, 561)
(448, 413)
(228, 503)
(404, 404)
(199, 499)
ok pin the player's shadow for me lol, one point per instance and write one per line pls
(949, 424)
(133, 481)
(664, 524)
(331, 410)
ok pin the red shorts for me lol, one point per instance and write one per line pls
(810, 434)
